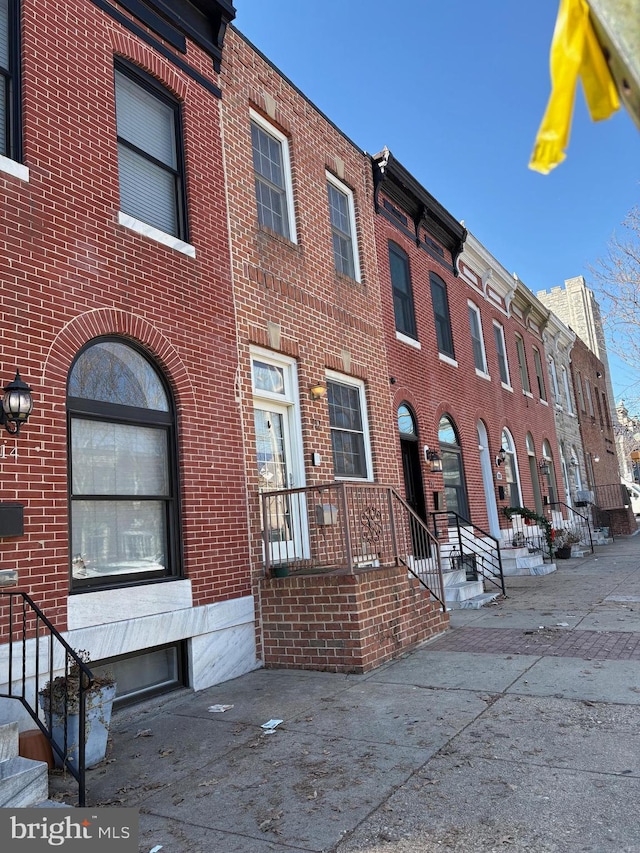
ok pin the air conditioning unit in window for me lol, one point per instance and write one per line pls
(584, 496)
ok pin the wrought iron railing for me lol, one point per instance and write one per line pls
(471, 547)
(576, 522)
(36, 653)
(612, 496)
(345, 526)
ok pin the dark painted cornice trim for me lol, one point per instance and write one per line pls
(421, 207)
(421, 245)
(157, 46)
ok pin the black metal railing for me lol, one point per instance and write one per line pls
(530, 531)
(472, 548)
(577, 523)
(37, 655)
(346, 526)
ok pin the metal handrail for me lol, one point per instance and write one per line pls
(343, 526)
(27, 626)
(583, 521)
(484, 548)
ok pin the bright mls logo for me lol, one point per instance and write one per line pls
(106, 830)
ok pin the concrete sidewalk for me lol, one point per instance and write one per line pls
(517, 730)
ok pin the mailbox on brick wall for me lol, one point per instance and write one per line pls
(11, 519)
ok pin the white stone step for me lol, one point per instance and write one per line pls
(476, 602)
(23, 782)
(9, 741)
(462, 591)
(451, 578)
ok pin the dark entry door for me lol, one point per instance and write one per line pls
(414, 491)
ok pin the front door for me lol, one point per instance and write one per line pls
(413, 487)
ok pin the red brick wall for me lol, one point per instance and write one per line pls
(345, 623)
(433, 387)
(70, 272)
(326, 320)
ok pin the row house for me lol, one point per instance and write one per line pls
(124, 504)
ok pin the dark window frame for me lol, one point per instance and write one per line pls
(10, 79)
(537, 364)
(442, 319)
(148, 83)
(82, 409)
(522, 364)
(403, 303)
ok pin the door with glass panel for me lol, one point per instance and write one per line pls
(278, 460)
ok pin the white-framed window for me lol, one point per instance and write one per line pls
(537, 362)
(349, 427)
(477, 341)
(522, 365)
(272, 171)
(342, 213)
(567, 389)
(511, 472)
(501, 351)
(150, 160)
(554, 379)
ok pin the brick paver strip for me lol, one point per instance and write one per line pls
(552, 642)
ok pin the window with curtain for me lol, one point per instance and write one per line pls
(122, 472)
(441, 315)
(272, 178)
(343, 228)
(477, 342)
(150, 161)
(501, 351)
(10, 135)
(403, 307)
(511, 473)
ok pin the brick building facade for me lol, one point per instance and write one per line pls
(118, 311)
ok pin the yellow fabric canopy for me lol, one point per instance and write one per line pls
(575, 52)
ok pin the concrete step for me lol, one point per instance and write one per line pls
(9, 741)
(23, 782)
(475, 602)
(452, 578)
(462, 591)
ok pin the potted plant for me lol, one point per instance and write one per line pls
(563, 539)
(60, 697)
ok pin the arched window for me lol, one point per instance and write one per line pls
(406, 422)
(511, 473)
(122, 468)
(455, 491)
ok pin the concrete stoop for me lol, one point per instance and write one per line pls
(459, 593)
(23, 781)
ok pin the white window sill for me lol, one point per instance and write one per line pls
(527, 393)
(447, 359)
(543, 402)
(405, 339)
(155, 234)
(507, 387)
(11, 167)
(483, 374)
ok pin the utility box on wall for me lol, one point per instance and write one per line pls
(11, 519)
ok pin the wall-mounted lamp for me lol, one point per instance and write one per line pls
(433, 460)
(17, 404)
(502, 455)
(598, 374)
(545, 470)
(596, 458)
(573, 462)
(318, 390)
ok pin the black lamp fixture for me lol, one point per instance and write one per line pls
(433, 460)
(17, 404)
(545, 470)
(501, 456)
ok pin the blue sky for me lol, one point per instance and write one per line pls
(457, 90)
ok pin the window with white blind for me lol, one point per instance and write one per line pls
(10, 79)
(477, 341)
(150, 158)
(122, 467)
(501, 351)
